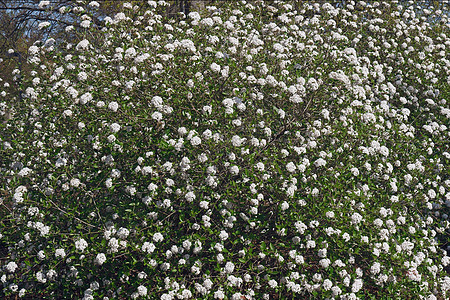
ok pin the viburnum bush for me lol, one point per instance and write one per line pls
(263, 150)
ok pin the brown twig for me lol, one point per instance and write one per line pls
(78, 219)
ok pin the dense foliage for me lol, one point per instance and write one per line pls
(262, 150)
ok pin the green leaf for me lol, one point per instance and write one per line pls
(263, 246)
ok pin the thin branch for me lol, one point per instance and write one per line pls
(65, 212)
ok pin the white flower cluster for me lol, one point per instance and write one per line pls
(235, 152)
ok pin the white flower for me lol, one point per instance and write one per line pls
(291, 167)
(407, 246)
(182, 130)
(75, 182)
(236, 141)
(67, 113)
(187, 244)
(378, 222)
(413, 274)
(81, 244)
(123, 233)
(111, 138)
(325, 262)
(148, 247)
(320, 162)
(43, 3)
(44, 230)
(300, 226)
(356, 218)
(219, 295)
(195, 141)
(108, 183)
(291, 190)
(190, 196)
(376, 252)
(94, 4)
(11, 267)
(259, 166)
(335, 290)
(157, 116)
(40, 277)
(25, 172)
(346, 237)
(327, 284)
(85, 98)
(142, 290)
(207, 109)
(85, 24)
(33, 50)
(130, 53)
(202, 157)
(295, 99)
(322, 252)
(120, 17)
(83, 45)
(207, 21)
(284, 206)
(113, 106)
(228, 102)
(41, 255)
(100, 259)
(18, 197)
(60, 253)
(431, 194)
(152, 187)
(114, 127)
(234, 170)
(194, 15)
(272, 283)
(375, 268)
(215, 67)
(158, 237)
(51, 274)
(36, 81)
(278, 47)
(157, 101)
(310, 244)
(299, 259)
(44, 24)
(223, 235)
(229, 267)
(357, 285)
(445, 261)
(384, 151)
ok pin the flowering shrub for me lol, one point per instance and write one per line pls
(261, 150)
